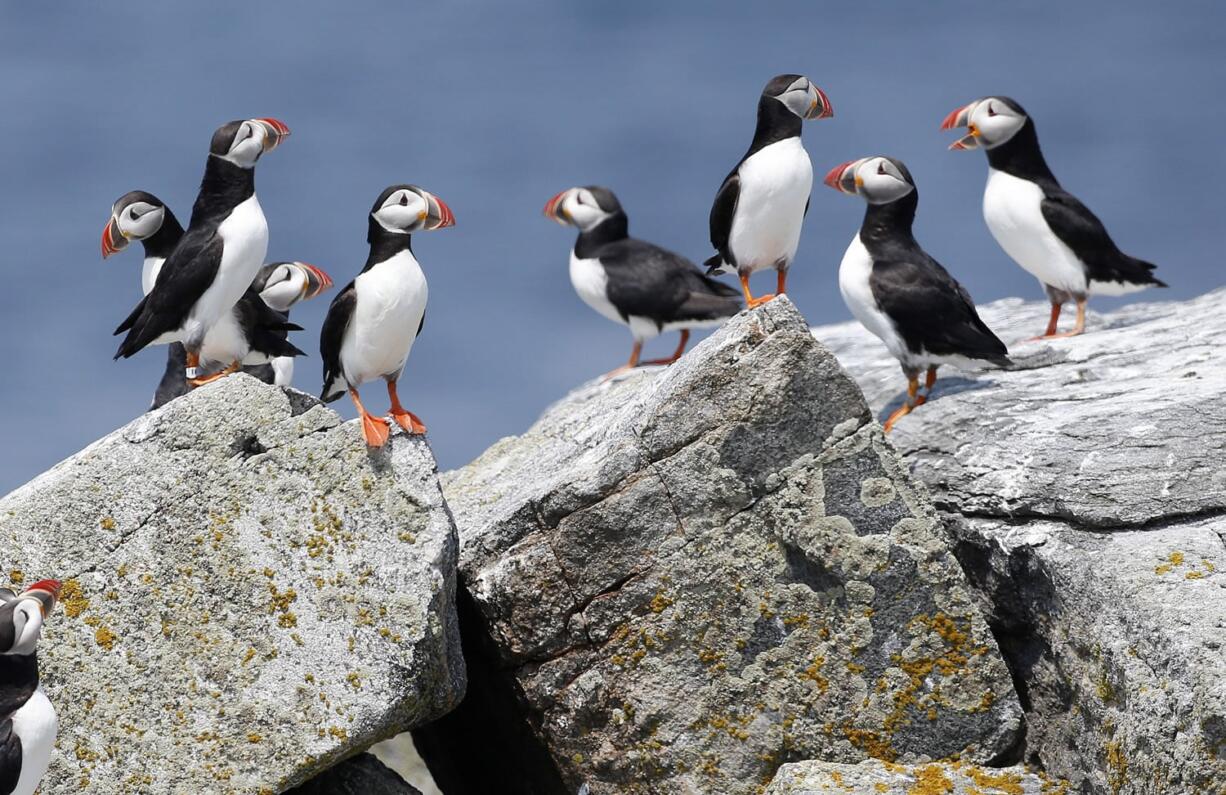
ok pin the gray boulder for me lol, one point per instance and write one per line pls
(689, 576)
(249, 595)
(879, 778)
(1087, 491)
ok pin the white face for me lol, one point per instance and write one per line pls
(404, 211)
(993, 122)
(140, 220)
(801, 98)
(880, 182)
(26, 616)
(580, 208)
(248, 144)
(286, 286)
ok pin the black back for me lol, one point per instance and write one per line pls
(10, 756)
(18, 681)
(1069, 219)
(645, 280)
(930, 310)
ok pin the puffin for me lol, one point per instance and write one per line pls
(139, 215)
(1039, 224)
(27, 718)
(373, 322)
(900, 293)
(218, 256)
(759, 209)
(640, 285)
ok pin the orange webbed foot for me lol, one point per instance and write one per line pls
(375, 430)
(754, 303)
(409, 421)
(233, 367)
(901, 412)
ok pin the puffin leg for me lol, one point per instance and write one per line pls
(232, 367)
(1052, 322)
(685, 340)
(635, 352)
(781, 281)
(1079, 327)
(905, 408)
(403, 417)
(191, 364)
(374, 429)
(929, 380)
(750, 301)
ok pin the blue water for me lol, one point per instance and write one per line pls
(497, 106)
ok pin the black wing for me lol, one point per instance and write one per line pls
(340, 312)
(10, 756)
(186, 274)
(267, 329)
(648, 281)
(721, 220)
(1081, 231)
(931, 311)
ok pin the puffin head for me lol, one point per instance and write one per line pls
(991, 121)
(799, 95)
(134, 216)
(879, 180)
(283, 284)
(405, 209)
(22, 615)
(242, 142)
(583, 207)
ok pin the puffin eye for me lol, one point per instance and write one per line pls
(132, 213)
(991, 110)
(404, 199)
(881, 169)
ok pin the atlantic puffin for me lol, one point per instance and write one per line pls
(218, 256)
(632, 282)
(372, 323)
(898, 292)
(27, 718)
(1043, 227)
(761, 206)
(141, 216)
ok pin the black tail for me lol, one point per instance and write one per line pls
(713, 264)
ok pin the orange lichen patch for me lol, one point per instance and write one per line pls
(660, 603)
(1008, 783)
(17, 577)
(73, 599)
(1117, 767)
(105, 638)
(1194, 575)
(881, 786)
(931, 780)
(813, 674)
(107, 523)
(870, 742)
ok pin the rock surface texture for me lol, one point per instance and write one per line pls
(249, 594)
(690, 576)
(1087, 490)
(883, 778)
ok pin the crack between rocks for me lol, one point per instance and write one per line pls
(123, 539)
(1082, 525)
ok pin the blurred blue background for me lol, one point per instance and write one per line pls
(497, 106)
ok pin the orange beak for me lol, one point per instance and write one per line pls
(113, 240)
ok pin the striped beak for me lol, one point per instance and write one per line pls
(45, 592)
(274, 132)
(961, 117)
(554, 210)
(113, 240)
(438, 214)
(316, 280)
(819, 104)
(844, 179)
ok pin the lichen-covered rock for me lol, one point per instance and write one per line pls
(360, 775)
(249, 594)
(1087, 490)
(884, 778)
(696, 574)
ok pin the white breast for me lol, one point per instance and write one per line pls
(854, 273)
(225, 342)
(1013, 212)
(149, 273)
(244, 234)
(775, 186)
(391, 301)
(590, 281)
(35, 725)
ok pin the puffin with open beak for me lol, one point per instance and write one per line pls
(218, 256)
(900, 293)
(254, 330)
(1043, 227)
(760, 207)
(372, 323)
(632, 282)
(28, 724)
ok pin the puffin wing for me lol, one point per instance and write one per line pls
(186, 274)
(340, 312)
(721, 221)
(10, 755)
(1080, 230)
(931, 310)
(645, 280)
(266, 328)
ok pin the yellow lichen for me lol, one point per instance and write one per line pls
(1193, 575)
(870, 743)
(813, 674)
(253, 737)
(931, 780)
(1008, 783)
(107, 523)
(105, 638)
(17, 576)
(1117, 767)
(660, 603)
(72, 598)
